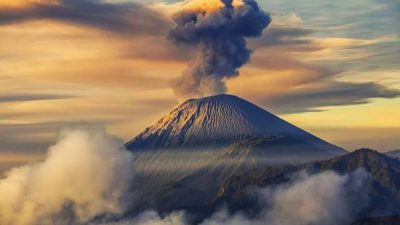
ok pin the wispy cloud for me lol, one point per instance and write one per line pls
(129, 18)
(31, 97)
(331, 94)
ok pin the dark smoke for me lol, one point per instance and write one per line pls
(219, 35)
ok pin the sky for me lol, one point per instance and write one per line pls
(329, 67)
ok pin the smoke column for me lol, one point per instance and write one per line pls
(217, 29)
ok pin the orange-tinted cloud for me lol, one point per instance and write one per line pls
(114, 17)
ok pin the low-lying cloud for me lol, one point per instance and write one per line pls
(84, 175)
(326, 198)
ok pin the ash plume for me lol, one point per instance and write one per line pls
(217, 29)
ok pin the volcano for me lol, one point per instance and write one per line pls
(213, 151)
(229, 122)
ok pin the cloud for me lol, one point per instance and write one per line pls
(218, 31)
(291, 39)
(385, 139)
(128, 18)
(31, 97)
(84, 175)
(285, 84)
(35, 136)
(331, 94)
(287, 33)
(325, 198)
(305, 69)
(159, 51)
(29, 126)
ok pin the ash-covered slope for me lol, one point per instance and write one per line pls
(220, 121)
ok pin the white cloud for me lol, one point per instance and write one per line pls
(85, 174)
(326, 198)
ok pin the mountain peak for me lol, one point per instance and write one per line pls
(221, 98)
(219, 121)
(373, 161)
(367, 154)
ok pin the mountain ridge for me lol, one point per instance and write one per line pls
(236, 191)
(394, 154)
(383, 186)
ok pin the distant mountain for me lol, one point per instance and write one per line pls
(383, 186)
(224, 121)
(202, 192)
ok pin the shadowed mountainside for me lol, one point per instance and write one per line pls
(202, 192)
(383, 185)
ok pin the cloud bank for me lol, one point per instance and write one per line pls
(326, 198)
(125, 18)
(84, 175)
(329, 93)
(218, 30)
